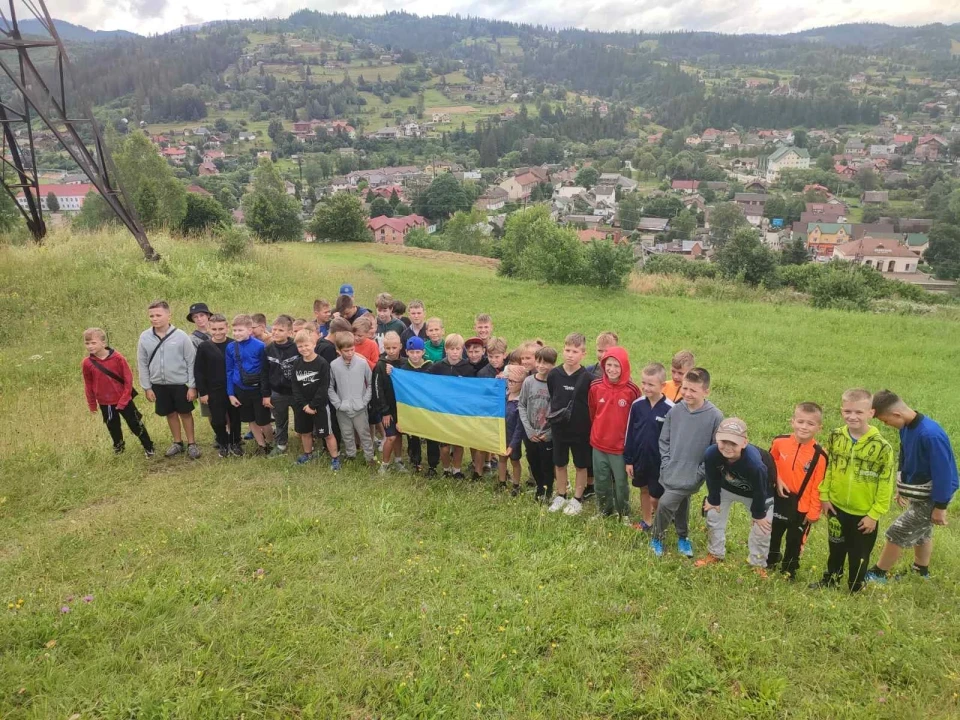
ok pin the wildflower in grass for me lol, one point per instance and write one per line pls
(64, 610)
(88, 598)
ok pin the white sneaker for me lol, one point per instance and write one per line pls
(574, 507)
(400, 467)
(626, 521)
(384, 469)
(558, 503)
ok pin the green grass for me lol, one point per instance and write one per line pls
(257, 589)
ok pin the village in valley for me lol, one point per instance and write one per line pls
(473, 130)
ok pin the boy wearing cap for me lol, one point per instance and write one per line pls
(199, 315)
(927, 482)
(738, 472)
(475, 348)
(417, 363)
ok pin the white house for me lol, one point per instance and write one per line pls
(788, 157)
(886, 256)
(70, 197)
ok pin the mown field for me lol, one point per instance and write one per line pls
(216, 589)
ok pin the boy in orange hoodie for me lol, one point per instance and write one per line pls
(609, 402)
(801, 465)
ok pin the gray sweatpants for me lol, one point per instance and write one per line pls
(281, 415)
(353, 427)
(758, 543)
(673, 507)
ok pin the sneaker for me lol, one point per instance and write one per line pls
(474, 475)
(431, 473)
(761, 572)
(642, 526)
(174, 450)
(590, 491)
(685, 547)
(559, 502)
(400, 467)
(384, 469)
(149, 453)
(118, 449)
(574, 507)
(278, 450)
(823, 583)
(708, 560)
(304, 458)
(458, 475)
(514, 490)
(418, 469)
(193, 451)
(249, 435)
(873, 578)
(335, 464)
(447, 473)
(262, 451)
(236, 450)
(224, 452)
(657, 547)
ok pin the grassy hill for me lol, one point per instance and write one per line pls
(254, 588)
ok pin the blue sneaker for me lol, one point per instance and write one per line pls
(249, 435)
(874, 579)
(684, 547)
(335, 464)
(657, 547)
(304, 458)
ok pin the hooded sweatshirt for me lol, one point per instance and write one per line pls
(861, 475)
(173, 363)
(280, 362)
(101, 389)
(351, 385)
(610, 403)
(684, 439)
(460, 369)
(389, 326)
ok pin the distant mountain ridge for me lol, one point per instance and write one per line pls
(69, 32)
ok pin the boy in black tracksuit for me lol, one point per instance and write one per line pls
(281, 356)
(311, 408)
(210, 372)
(454, 364)
(417, 363)
(384, 402)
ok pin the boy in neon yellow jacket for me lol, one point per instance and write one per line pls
(856, 490)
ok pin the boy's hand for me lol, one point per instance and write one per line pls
(387, 419)
(707, 507)
(389, 368)
(267, 402)
(782, 490)
(234, 401)
(630, 471)
(939, 516)
(204, 399)
(902, 501)
(191, 394)
(867, 525)
(827, 508)
(151, 395)
(309, 410)
(763, 525)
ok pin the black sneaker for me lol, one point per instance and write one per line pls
(458, 475)
(236, 450)
(823, 583)
(474, 475)
(224, 452)
(118, 449)
(418, 469)
(149, 453)
(589, 492)
(514, 490)
(261, 451)
(448, 473)
(431, 473)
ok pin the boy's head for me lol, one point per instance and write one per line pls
(515, 377)
(311, 326)
(345, 346)
(807, 421)
(242, 327)
(399, 308)
(681, 364)
(416, 312)
(891, 410)
(546, 360)
(282, 329)
(321, 310)
(474, 347)
(732, 438)
(483, 326)
(612, 369)
(339, 325)
(345, 307)
(496, 352)
(574, 348)
(218, 328)
(527, 356)
(259, 325)
(384, 303)
(857, 409)
(435, 330)
(298, 325)
(454, 348)
(652, 378)
(605, 341)
(363, 328)
(415, 351)
(95, 340)
(159, 313)
(391, 345)
(199, 315)
(305, 342)
(695, 387)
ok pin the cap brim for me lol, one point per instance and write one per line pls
(738, 439)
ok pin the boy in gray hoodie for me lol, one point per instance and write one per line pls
(688, 430)
(351, 387)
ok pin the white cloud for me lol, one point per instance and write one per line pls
(151, 16)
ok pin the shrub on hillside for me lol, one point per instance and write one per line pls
(673, 265)
(420, 238)
(555, 257)
(234, 242)
(841, 291)
(607, 265)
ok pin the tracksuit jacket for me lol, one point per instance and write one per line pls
(253, 357)
(928, 468)
(860, 477)
(793, 460)
(609, 405)
(642, 446)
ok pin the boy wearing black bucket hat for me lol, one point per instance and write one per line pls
(199, 315)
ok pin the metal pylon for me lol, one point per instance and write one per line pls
(50, 99)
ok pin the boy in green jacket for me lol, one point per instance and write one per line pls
(856, 490)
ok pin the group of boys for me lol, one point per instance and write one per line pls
(662, 436)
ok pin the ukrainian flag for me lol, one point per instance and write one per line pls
(460, 411)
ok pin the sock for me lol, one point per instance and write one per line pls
(398, 461)
(578, 499)
(878, 572)
(921, 570)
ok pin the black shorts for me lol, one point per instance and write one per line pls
(251, 407)
(318, 425)
(648, 481)
(581, 451)
(373, 417)
(171, 399)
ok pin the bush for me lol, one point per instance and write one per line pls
(607, 265)
(555, 257)
(234, 242)
(841, 291)
(420, 238)
(674, 265)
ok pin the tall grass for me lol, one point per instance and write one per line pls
(258, 589)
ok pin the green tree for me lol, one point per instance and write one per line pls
(745, 257)
(53, 204)
(520, 231)
(607, 265)
(466, 233)
(684, 224)
(489, 154)
(379, 207)
(555, 256)
(663, 206)
(340, 218)
(420, 238)
(795, 253)
(943, 252)
(587, 177)
(270, 213)
(629, 211)
(94, 214)
(275, 129)
(872, 214)
(401, 210)
(443, 198)
(867, 179)
(725, 219)
(203, 214)
(159, 198)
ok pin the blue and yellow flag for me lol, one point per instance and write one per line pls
(460, 411)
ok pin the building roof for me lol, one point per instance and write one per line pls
(876, 196)
(527, 178)
(495, 193)
(780, 153)
(916, 239)
(197, 190)
(592, 234)
(750, 197)
(400, 224)
(872, 247)
(653, 223)
(685, 184)
(61, 191)
(830, 228)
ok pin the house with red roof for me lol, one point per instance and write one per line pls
(69, 197)
(392, 231)
(687, 186)
(197, 190)
(930, 147)
(887, 256)
(176, 155)
(212, 155)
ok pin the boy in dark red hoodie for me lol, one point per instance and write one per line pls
(609, 401)
(108, 382)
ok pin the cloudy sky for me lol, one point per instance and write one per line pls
(153, 16)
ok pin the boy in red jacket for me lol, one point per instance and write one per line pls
(108, 382)
(609, 401)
